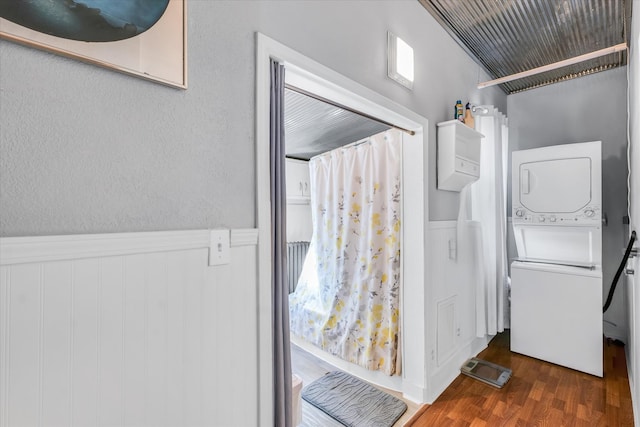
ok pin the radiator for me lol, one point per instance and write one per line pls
(296, 253)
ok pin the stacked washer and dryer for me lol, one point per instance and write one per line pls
(556, 281)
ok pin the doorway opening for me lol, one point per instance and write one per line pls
(317, 79)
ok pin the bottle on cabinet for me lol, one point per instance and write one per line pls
(458, 112)
(468, 117)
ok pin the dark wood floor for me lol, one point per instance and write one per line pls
(538, 394)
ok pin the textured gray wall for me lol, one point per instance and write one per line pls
(591, 108)
(88, 150)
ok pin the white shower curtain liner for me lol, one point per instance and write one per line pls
(489, 208)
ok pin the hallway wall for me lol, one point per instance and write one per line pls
(88, 150)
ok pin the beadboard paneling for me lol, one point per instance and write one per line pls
(125, 336)
(451, 304)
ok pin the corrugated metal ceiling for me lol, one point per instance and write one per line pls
(512, 36)
(504, 36)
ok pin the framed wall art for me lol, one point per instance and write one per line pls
(145, 38)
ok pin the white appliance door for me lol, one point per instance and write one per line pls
(556, 315)
(572, 245)
(558, 186)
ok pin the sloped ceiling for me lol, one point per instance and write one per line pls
(510, 36)
(313, 127)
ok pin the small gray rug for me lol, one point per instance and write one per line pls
(353, 402)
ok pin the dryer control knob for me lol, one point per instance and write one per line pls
(552, 219)
(519, 213)
(542, 219)
(589, 213)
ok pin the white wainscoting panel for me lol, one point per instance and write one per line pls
(451, 305)
(137, 335)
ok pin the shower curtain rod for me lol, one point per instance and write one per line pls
(344, 107)
(344, 147)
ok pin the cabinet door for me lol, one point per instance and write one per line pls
(297, 178)
(306, 187)
(447, 329)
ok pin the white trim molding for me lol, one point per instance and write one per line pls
(20, 250)
(244, 237)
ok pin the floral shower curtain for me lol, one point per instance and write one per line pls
(347, 299)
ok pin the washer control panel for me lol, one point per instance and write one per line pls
(588, 215)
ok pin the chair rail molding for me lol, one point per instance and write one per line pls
(21, 250)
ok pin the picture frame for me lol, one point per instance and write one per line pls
(158, 54)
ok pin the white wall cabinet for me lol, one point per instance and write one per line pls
(299, 226)
(458, 155)
(298, 181)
